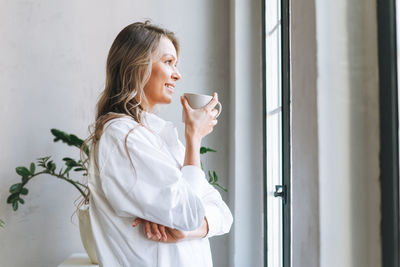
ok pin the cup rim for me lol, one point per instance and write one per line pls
(194, 94)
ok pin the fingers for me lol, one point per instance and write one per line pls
(185, 104)
(156, 232)
(147, 229)
(137, 221)
(152, 230)
(163, 233)
(213, 102)
(214, 113)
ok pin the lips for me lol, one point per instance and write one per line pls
(170, 86)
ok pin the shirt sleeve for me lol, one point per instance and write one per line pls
(154, 188)
(218, 215)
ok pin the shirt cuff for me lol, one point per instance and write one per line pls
(212, 215)
(195, 177)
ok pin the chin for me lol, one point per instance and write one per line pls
(168, 100)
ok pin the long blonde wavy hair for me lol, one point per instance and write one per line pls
(128, 69)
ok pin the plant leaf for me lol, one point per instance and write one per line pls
(204, 150)
(24, 172)
(70, 162)
(15, 205)
(48, 165)
(25, 179)
(69, 139)
(75, 140)
(60, 135)
(24, 191)
(21, 200)
(42, 161)
(32, 168)
(12, 197)
(51, 166)
(79, 169)
(15, 188)
(86, 149)
(215, 176)
(67, 170)
(210, 180)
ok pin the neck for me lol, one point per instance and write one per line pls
(146, 106)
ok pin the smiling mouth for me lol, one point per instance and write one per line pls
(170, 87)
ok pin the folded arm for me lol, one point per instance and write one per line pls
(154, 188)
(160, 233)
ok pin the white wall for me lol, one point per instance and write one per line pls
(246, 139)
(348, 127)
(305, 204)
(52, 71)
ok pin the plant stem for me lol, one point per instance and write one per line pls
(74, 183)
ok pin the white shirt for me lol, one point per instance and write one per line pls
(157, 189)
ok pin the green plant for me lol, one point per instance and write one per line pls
(49, 167)
(212, 176)
(1, 223)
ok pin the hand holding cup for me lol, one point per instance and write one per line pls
(197, 101)
(199, 114)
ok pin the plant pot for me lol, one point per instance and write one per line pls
(85, 228)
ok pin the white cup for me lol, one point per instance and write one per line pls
(197, 101)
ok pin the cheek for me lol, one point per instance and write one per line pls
(153, 81)
(159, 76)
(161, 73)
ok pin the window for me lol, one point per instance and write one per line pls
(277, 133)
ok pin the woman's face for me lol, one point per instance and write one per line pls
(164, 74)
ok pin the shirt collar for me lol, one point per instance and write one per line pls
(156, 123)
(167, 132)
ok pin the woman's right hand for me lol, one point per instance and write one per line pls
(200, 122)
(160, 233)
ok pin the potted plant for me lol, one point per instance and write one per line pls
(45, 165)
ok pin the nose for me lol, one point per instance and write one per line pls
(176, 75)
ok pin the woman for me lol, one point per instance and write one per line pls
(150, 204)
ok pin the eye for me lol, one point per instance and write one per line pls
(168, 62)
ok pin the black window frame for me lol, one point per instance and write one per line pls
(389, 154)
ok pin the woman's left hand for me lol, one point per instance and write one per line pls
(160, 233)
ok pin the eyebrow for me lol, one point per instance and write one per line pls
(167, 54)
